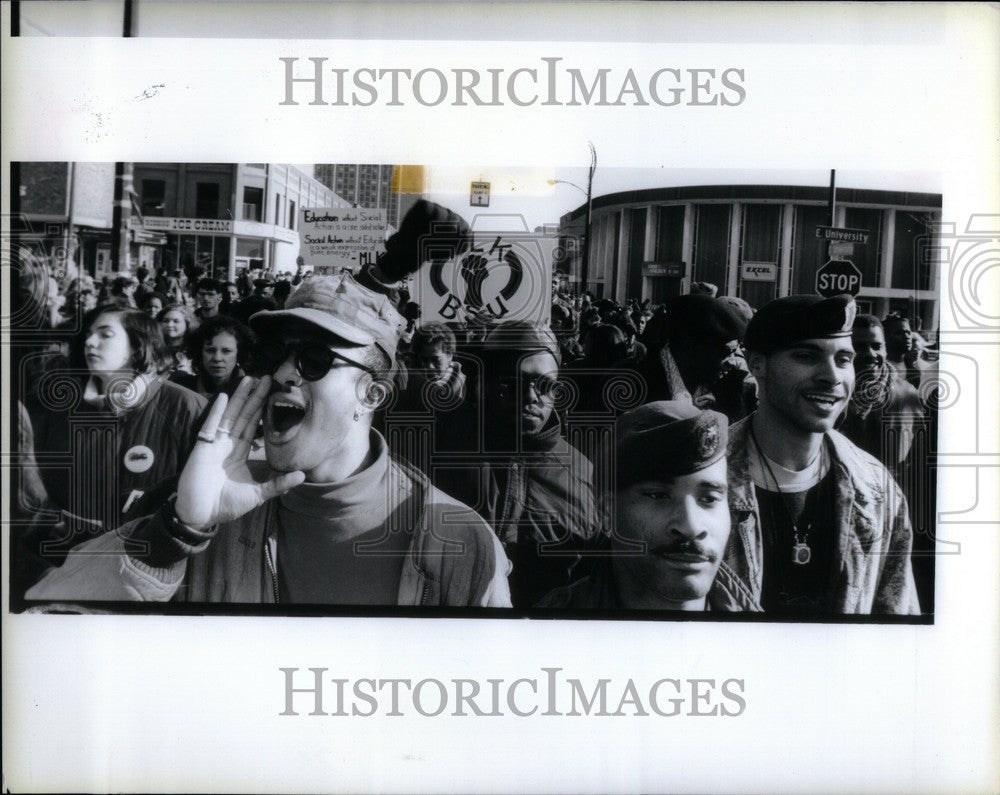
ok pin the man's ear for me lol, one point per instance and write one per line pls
(373, 392)
(757, 363)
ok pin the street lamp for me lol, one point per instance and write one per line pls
(567, 182)
(585, 260)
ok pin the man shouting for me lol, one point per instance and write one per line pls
(331, 518)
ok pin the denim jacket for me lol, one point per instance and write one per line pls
(872, 571)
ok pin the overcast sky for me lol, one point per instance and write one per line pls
(527, 192)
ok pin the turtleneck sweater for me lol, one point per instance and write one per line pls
(336, 544)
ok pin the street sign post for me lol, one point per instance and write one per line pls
(838, 276)
(672, 270)
(479, 194)
(844, 235)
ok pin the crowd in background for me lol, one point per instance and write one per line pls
(185, 337)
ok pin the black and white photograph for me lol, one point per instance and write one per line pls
(500, 397)
(239, 386)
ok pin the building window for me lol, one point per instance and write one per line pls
(919, 313)
(669, 234)
(250, 253)
(291, 215)
(760, 242)
(203, 254)
(277, 209)
(253, 204)
(913, 250)
(808, 251)
(636, 254)
(220, 257)
(868, 257)
(668, 249)
(711, 244)
(153, 196)
(603, 248)
(188, 255)
(206, 200)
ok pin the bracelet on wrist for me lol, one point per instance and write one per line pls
(174, 522)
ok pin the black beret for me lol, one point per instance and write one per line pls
(666, 439)
(789, 320)
(702, 317)
(263, 283)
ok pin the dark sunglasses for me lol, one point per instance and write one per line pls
(544, 385)
(313, 360)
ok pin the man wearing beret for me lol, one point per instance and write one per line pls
(819, 526)
(666, 516)
(698, 357)
(518, 470)
(330, 518)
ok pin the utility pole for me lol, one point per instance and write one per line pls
(833, 197)
(122, 209)
(121, 213)
(585, 264)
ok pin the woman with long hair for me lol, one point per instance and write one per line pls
(176, 325)
(113, 428)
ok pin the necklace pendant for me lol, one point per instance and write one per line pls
(801, 553)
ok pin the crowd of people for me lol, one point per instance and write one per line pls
(312, 440)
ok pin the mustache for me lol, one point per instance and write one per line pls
(686, 547)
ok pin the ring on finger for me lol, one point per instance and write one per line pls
(204, 436)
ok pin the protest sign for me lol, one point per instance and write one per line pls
(333, 238)
(505, 275)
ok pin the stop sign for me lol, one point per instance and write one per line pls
(838, 276)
